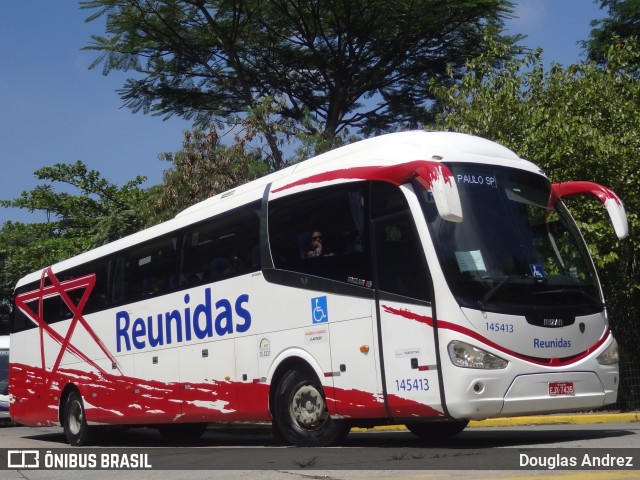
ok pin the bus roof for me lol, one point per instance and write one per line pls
(389, 149)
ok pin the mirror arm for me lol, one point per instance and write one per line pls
(614, 205)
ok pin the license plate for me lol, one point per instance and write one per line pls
(561, 388)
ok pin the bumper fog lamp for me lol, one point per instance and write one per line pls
(610, 355)
(467, 356)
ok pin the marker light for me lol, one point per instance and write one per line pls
(610, 355)
(467, 356)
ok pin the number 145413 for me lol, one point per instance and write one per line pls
(411, 384)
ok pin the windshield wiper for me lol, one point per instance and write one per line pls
(577, 290)
(507, 278)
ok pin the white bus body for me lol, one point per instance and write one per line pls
(457, 287)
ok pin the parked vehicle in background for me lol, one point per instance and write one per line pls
(4, 376)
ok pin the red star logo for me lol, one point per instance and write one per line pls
(50, 286)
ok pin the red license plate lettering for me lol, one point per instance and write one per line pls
(561, 388)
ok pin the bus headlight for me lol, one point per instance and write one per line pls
(610, 355)
(467, 356)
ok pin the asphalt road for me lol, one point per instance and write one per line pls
(479, 452)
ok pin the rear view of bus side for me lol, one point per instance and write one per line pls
(417, 278)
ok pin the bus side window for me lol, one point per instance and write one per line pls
(337, 214)
(20, 321)
(221, 247)
(99, 298)
(55, 308)
(148, 270)
(402, 267)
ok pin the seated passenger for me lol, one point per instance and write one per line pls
(316, 246)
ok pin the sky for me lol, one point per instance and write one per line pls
(53, 109)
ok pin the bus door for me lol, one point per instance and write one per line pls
(403, 298)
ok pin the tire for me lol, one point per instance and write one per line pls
(301, 414)
(74, 422)
(437, 430)
(182, 432)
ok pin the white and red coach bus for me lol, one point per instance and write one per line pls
(452, 284)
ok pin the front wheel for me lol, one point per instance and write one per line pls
(437, 430)
(74, 422)
(301, 414)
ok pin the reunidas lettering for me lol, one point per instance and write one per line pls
(557, 343)
(183, 325)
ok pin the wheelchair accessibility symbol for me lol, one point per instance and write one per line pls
(537, 270)
(319, 312)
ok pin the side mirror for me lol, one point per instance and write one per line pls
(614, 205)
(437, 177)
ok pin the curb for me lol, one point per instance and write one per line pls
(573, 419)
(580, 419)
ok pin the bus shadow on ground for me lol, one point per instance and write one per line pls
(369, 450)
(243, 437)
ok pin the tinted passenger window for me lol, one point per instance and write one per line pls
(402, 267)
(223, 247)
(99, 298)
(19, 320)
(54, 306)
(323, 232)
(148, 270)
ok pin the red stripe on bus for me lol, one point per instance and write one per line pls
(552, 362)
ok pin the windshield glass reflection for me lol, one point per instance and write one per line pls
(512, 253)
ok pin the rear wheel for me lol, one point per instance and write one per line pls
(301, 413)
(74, 422)
(437, 430)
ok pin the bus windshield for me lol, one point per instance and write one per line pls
(513, 252)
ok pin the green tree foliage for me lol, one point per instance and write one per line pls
(100, 213)
(622, 23)
(27, 247)
(201, 169)
(577, 123)
(213, 60)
